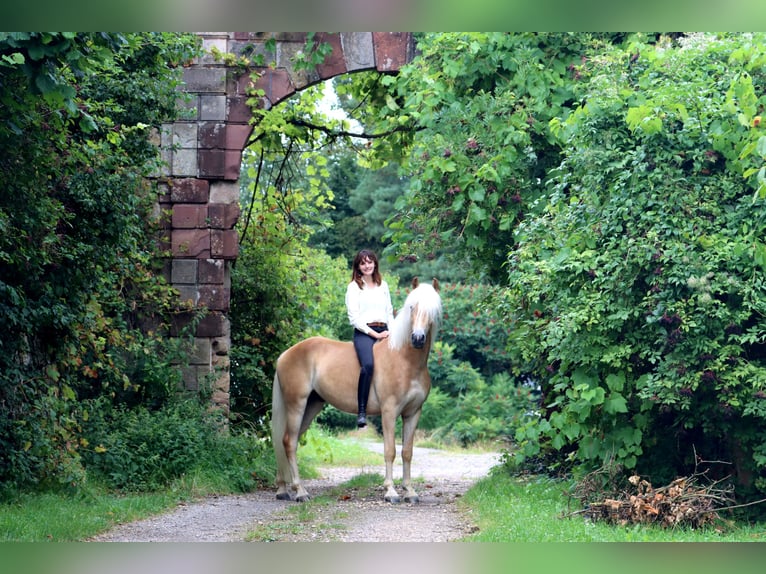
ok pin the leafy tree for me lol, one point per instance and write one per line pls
(636, 296)
(477, 108)
(81, 302)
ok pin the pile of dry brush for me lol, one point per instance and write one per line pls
(693, 501)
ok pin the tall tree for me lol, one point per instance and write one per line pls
(637, 295)
(76, 243)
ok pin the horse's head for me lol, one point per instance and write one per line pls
(420, 315)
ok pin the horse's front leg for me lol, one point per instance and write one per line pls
(389, 454)
(409, 424)
(290, 442)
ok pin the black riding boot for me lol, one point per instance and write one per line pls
(363, 394)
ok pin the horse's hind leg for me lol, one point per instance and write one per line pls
(290, 441)
(409, 424)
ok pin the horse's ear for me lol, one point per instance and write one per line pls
(435, 283)
(415, 282)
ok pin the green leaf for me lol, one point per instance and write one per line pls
(615, 381)
(615, 403)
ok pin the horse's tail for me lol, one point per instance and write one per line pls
(278, 429)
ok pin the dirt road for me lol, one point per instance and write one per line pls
(355, 516)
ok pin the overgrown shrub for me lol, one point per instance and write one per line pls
(464, 407)
(139, 449)
(473, 326)
(637, 296)
(78, 251)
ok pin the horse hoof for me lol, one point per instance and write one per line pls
(414, 499)
(392, 499)
(283, 496)
(302, 498)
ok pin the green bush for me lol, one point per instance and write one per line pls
(464, 408)
(474, 327)
(141, 449)
(637, 297)
(78, 249)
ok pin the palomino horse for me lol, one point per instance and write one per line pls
(320, 370)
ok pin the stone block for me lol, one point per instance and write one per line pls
(212, 135)
(189, 378)
(211, 163)
(237, 109)
(214, 325)
(187, 294)
(163, 192)
(223, 215)
(189, 190)
(276, 85)
(204, 80)
(212, 108)
(185, 134)
(392, 50)
(189, 216)
(188, 105)
(334, 64)
(190, 243)
(224, 192)
(183, 163)
(210, 42)
(237, 136)
(201, 352)
(179, 323)
(221, 347)
(211, 271)
(232, 164)
(184, 271)
(214, 297)
(358, 50)
(224, 244)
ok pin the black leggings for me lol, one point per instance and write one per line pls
(363, 346)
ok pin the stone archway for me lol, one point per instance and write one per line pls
(199, 186)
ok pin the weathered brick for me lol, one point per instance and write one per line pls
(194, 243)
(211, 271)
(189, 190)
(237, 109)
(212, 135)
(334, 64)
(211, 163)
(276, 85)
(392, 50)
(224, 244)
(233, 164)
(223, 215)
(237, 136)
(184, 271)
(214, 324)
(189, 216)
(215, 297)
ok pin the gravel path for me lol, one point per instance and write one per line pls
(440, 478)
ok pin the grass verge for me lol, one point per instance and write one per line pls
(534, 509)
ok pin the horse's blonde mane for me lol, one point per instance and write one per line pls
(428, 303)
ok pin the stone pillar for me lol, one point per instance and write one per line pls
(200, 192)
